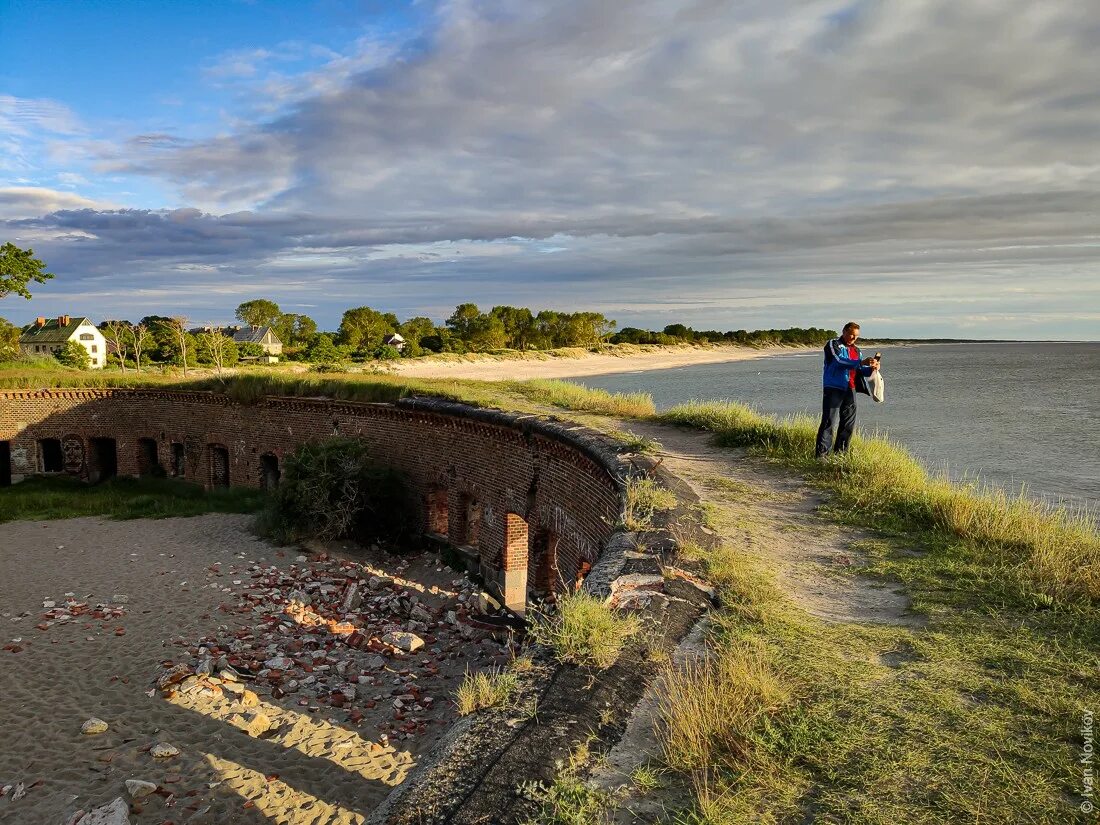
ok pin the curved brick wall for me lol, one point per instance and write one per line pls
(528, 501)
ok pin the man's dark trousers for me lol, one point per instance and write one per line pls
(834, 402)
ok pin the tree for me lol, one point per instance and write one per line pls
(9, 340)
(518, 325)
(216, 348)
(19, 267)
(295, 330)
(259, 313)
(248, 349)
(139, 337)
(74, 355)
(178, 326)
(323, 350)
(117, 334)
(363, 328)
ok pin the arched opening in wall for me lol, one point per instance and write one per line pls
(514, 562)
(103, 461)
(438, 517)
(269, 471)
(148, 462)
(5, 463)
(218, 458)
(178, 467)
(50, 457)
(543, 577)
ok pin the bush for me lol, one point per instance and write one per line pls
(333, 489)
(386, 353)
(485, 690)
(74, 355)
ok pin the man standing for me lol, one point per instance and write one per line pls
(845, 374)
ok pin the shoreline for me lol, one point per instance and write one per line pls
(492, 368)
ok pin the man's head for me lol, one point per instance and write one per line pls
(850, 334)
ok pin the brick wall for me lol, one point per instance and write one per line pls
(488, 465)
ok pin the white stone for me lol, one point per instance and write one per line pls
(407, 642)
(93, 726)
(137, 788)
(116, 813)
(162, 750)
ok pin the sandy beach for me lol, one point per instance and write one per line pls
(489, 368)
(175, 590)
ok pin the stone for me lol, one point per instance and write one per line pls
(255, 724)
(279, 663)
(486, 603)
(116, 813)
(169, 676)
(233, 687)
(137, 788)
(421, 614)
(249, 699)
(93, 726)
(227, 674)
(407, 642)
(162, 750)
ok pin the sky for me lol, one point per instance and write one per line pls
(928, 168)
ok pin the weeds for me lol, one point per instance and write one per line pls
(585, 630)
(485, 689)
(634, 443)
(644, 499)
(572, 396)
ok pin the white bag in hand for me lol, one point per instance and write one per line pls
(877, 385)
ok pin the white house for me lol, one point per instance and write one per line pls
(49, 336)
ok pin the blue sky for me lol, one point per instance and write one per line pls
(927, 168)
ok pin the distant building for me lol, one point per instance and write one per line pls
(394, 340)
(48, 336)
(264, 336)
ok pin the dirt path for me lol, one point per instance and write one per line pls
(774, 515)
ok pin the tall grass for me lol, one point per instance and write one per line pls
(572, 396)
(585, 630)
(1057, 552)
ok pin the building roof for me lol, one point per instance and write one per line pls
(393, 338)
(254, 335)
(50, 333)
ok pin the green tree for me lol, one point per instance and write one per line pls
(9, 340)
(259, 313)
(19, 267)
(519, 325)
(323, 350)
(249, 350)
(214, 348)
(295, 330)
(74, 355)
(363, 328)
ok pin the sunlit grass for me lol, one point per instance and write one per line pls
(485, 689)
(644, 499)
(585, 630)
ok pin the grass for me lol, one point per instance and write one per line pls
(569, 800)
(634, 443)
(256, 384)
(570, 396)
(53, 497)
(972, 718)
(585, 630)
(485, 689)
(644, 499)
(1034, 550)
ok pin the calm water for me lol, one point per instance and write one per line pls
(1013, 414)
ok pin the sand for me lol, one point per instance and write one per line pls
(320, 766)
(487, 368)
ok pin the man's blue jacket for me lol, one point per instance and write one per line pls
(838, 368)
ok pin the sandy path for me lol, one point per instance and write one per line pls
(322, 766)
(518, 370)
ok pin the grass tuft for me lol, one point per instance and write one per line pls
(485, 689)
(585, 630)
(644, 499)
(570, 396)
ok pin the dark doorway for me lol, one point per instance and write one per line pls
(542, 570)
(178, 466)
(104, 459)
(147, 460)
(219, 465)
(438, 517)
(5, 463)
(269, 471)
(50, 457)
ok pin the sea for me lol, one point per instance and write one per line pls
(1021, 416)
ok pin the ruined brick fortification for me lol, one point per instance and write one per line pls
(528, 501)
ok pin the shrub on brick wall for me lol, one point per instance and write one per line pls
(334, 489)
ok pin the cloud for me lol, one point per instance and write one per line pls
(32, 201)
(702, 157)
